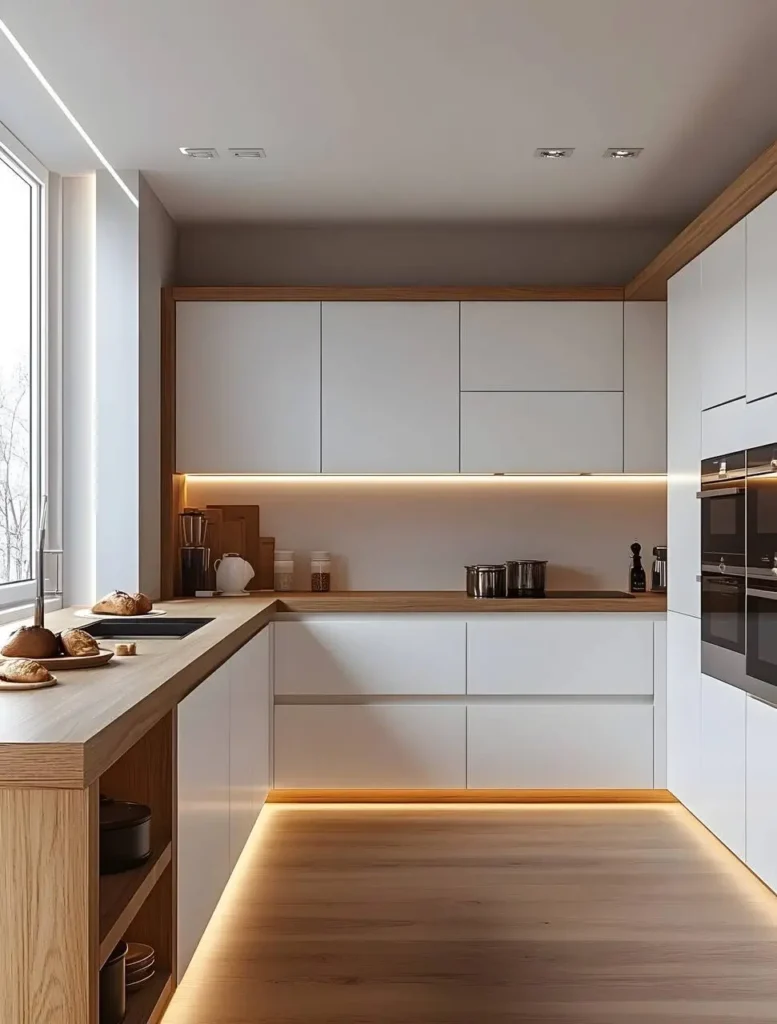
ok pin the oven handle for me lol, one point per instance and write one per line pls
(767, 595)
(720, 492)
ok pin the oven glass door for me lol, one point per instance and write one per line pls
(722, 497)
(762, 512)
(762, 634)
(723, 611)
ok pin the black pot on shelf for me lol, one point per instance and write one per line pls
(113, 987)
(125, 835)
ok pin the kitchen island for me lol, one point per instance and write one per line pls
(185, 728)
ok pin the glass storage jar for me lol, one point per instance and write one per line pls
(283, 570)
(320, 571)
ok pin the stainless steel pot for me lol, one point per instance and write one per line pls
(486, 581)
(526, 578)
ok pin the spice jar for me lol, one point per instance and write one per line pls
(320, 571)
(283, 570)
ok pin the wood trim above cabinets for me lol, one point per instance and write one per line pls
(756, 183)
(411, 293)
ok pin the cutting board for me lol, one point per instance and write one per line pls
(214, 541)
(240, 533)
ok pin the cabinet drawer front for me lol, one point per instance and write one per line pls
(541, 346)
(367, 656)
(560, 654)
(561, 432)
(560, 746)
(248, 394)
(390, 746)
(723, 732)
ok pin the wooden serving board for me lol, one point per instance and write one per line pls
(240, 534)
(87, 613)
(21, 687)
(67, 661)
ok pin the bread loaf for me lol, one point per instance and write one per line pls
(31, 642)
(116, 603)
(20, 670)
(78, 644)
(144, 603)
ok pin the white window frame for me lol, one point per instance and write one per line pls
(16, 598)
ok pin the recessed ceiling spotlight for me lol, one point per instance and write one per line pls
(622, 152)
(554, 153)
(199, 152)
(249, 153)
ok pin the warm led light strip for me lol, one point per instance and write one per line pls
(65, 110)
(321, 478)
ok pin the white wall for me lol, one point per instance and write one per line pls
(422, 254)
(417, 535)
(157, 246)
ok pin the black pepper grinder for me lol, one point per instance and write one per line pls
(637, 577)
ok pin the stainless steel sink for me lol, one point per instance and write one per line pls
(161, 627)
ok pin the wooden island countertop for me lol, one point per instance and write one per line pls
(68, 735)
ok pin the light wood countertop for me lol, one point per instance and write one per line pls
(68, 735)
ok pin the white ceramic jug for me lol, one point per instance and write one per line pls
(232, 574)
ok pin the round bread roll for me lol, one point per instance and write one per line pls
(78, 643)
(144, 603)
(20, 670)
(31, 642)
(116, 603)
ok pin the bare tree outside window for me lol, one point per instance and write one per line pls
(17, 495)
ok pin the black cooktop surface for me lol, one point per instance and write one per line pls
(589, 593)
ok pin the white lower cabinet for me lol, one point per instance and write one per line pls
(560, 746)
(560, 654)
(203, 808)
(249, 767)
(683, 708)
(377, 746)
(761, 789)
(722, 763)
(348, 655)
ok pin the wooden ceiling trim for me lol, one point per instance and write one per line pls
(415, 293)
(756, 183)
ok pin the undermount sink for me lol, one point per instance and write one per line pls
(162, 628)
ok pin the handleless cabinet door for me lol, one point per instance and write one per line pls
(723, 318)
(722, 776)
(203, 808)
(762, 301)
(761, 787)
(541, 346)
(644, 387)
(390, 387)
(683, 709)
(249, 738)
(542, 432)
(248, 396)
(684, 439)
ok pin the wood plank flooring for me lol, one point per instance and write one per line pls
(473, 915)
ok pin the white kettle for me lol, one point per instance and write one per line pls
(232, 574)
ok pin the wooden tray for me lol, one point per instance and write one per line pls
(67, 661)
(21, 687)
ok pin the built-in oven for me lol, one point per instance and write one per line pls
(762, 571)
(723, 582)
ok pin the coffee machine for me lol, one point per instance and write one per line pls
(658, 572)
(195, 555)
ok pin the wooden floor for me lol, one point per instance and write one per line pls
(553, 915)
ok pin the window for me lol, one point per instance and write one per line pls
(21, 366)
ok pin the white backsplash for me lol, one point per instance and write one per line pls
(406, 534)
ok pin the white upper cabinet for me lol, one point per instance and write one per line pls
(762, 300)
(724, 429)
(390, 387)
(542, 432)
(723, 318)
(644, 387)
(248, 387)
(684, 439)
(541, 346)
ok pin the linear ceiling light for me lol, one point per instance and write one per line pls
(65, 110)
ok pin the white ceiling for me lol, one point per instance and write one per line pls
(404, 109)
